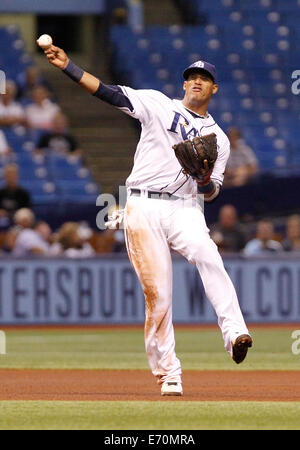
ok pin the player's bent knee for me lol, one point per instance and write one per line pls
(157, 307)
(157, 297)
(158, 316)
(201, 255)
(196, 251)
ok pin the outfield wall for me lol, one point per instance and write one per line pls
(106, 291)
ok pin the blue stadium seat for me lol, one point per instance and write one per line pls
(290, 6)
(16, 137)
(52, 179)
(213, 5)
(31, 172)
(62, 162)
(254, 64)
(78, 191)
(258, 5)
(41, 191)
(270, 18)
(71, 173)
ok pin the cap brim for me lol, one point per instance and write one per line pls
(187, 72)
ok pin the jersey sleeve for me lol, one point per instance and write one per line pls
(137, 103)
(141, 101)
(220, 164)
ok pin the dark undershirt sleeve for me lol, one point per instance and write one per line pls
(113, 95)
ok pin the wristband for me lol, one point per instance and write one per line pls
(73, 71)
(207, 188)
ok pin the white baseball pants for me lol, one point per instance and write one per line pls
(152, 228)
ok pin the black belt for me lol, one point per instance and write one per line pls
(155, 194)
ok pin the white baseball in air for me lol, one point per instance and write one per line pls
(45, 41)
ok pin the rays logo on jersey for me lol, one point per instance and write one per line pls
(185, 133)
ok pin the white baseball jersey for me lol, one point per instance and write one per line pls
(166, 122)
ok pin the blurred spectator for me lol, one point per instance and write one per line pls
(5, 149)
(24, 218)
(119, 16)
(117, 12)
(112, 241)
(12, 196)
(59, 139)
(33, 239)
(33, 79)
(119, 242)
(10, 239)
(264, 241)
(72, 241)
(191, 12)
(104, 242)
(11, 111)
(41, 112)
(292, 240)
(227, 234)
(5, 220)
(242, 163)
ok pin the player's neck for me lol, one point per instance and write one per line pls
(196, 108)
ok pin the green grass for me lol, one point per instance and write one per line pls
(149, 415)
(198, 349)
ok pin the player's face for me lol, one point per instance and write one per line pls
(199, 87)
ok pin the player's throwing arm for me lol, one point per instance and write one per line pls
(59, 59)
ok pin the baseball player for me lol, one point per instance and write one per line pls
(162, 212)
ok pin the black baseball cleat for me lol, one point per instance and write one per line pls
(240, 347)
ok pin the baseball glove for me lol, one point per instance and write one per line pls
(197, 157)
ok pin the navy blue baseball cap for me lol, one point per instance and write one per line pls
(201, 66)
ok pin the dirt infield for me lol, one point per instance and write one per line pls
(140, 385)
(114, 327)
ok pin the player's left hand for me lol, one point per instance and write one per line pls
(197, 157)
(204, 177)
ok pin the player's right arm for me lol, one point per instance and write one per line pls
(129, 100)
(58, 57)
